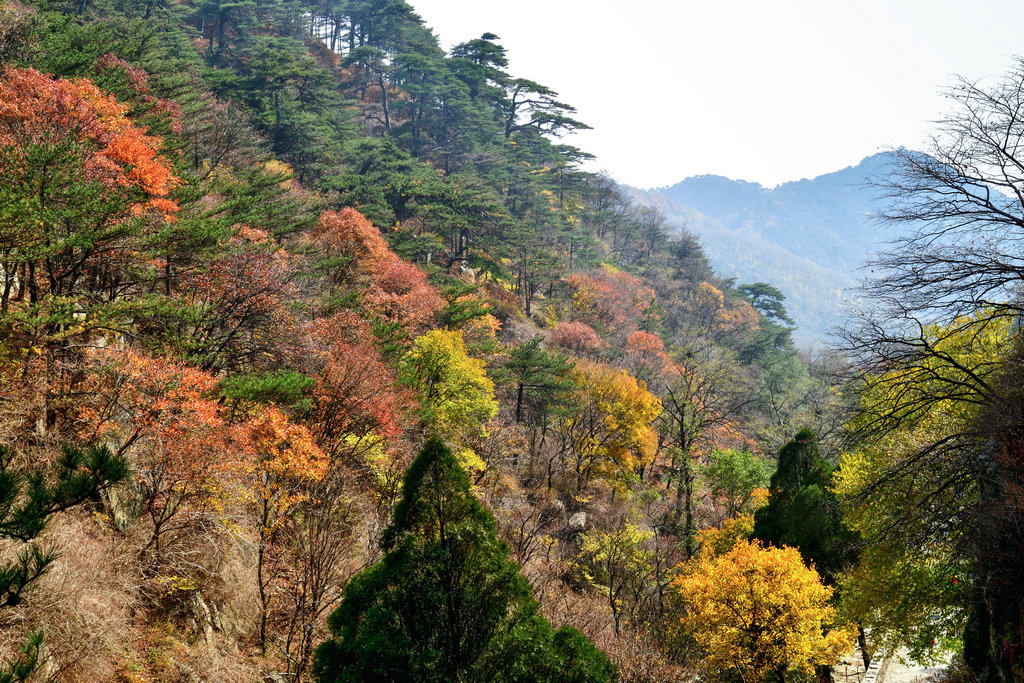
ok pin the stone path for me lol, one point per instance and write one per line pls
(851, 670)
(911, 672)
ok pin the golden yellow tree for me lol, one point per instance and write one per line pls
(759, 612)
(455, 394)
(608, 432)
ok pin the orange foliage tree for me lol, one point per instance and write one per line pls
(646, 356)
(78, 182)
(355, 257)
(39, 110)
(709, 314)
(286, 463)
(162, 416)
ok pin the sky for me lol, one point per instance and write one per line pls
(766, 91)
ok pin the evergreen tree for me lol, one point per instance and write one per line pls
(802, 510)
(446, 602)
(540, 377)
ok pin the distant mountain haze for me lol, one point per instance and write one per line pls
(810, 238)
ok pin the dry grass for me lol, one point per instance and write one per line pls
(84, 605)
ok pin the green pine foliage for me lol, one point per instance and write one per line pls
(446, 602)
(803, 512)
(540, 377)
(29, 498)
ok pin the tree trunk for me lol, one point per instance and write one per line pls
(384, 101)
(862, 640)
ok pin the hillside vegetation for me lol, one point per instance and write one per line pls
(322, 359)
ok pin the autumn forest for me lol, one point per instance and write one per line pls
(324, 358)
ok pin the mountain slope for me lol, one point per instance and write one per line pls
(808, 237)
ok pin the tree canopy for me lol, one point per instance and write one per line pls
(446, 602)
(759, 612)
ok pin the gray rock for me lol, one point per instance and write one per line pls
(578, 521)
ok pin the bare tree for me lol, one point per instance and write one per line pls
(941, 290)
(963, 201)
(703, 395)
(959, 267)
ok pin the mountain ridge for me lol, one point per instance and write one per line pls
(809, 237)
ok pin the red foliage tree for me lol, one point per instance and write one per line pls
(356, 398)
(646, 357)
(402, 295)
(356, 257)
(161, 415)
(578, 338)
(610, 299)
(240, 305)
(350, 242)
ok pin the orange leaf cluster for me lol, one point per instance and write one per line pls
(159, 412)
(646, 356)
(579, 338)
(286, 457)
(401, 294)
(36, 109)
(396, 291)
(708, 305)
(610, 298)
(742, 316)
(349, 235)
(355, 389)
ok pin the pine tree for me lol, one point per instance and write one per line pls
(446, 602)
(802, 510)
(540, 376)
(29, 497)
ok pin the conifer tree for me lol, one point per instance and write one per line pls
(29, 497)
(539, 377)
(802, 510)
(446, 602)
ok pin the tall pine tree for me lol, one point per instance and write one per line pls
(446, 602)
(802, 510)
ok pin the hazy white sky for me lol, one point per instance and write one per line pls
(764, 90)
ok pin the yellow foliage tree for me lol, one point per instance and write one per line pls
(759, 612)
(718, 541)
(620, 564)
(909, 487)
(456, 396)
(609, 433)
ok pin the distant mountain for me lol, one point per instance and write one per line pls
(808, 237)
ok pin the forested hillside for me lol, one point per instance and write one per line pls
(810, 237)
(321, 358)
